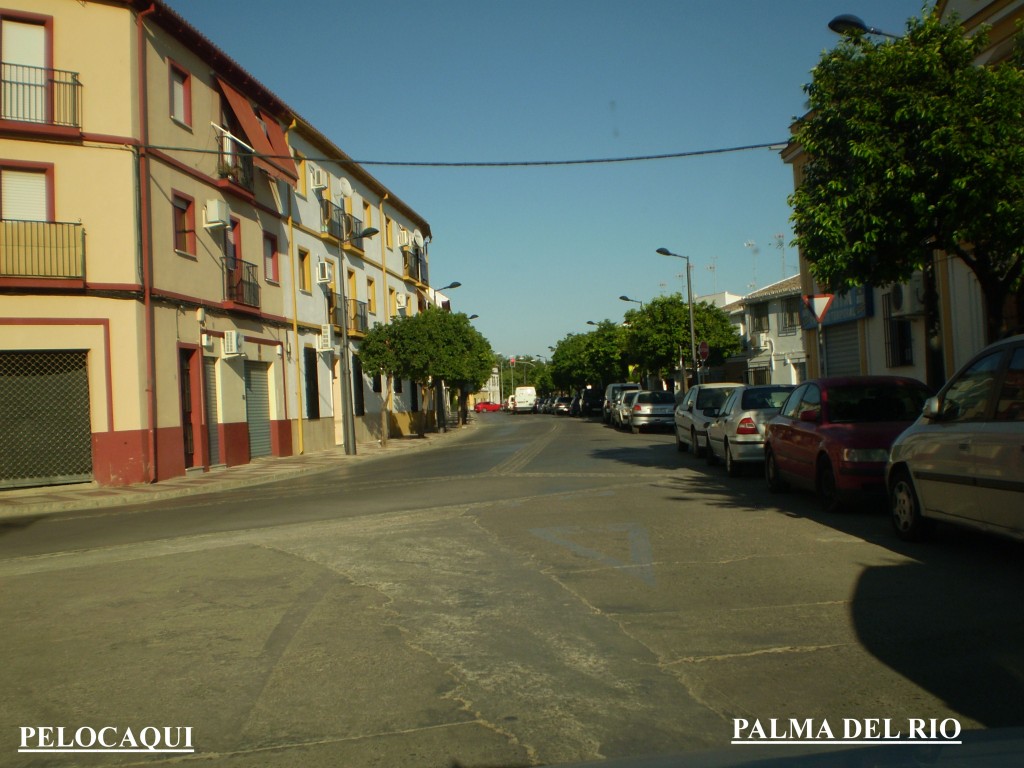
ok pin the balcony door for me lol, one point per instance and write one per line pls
(25, 82)
(23, 195)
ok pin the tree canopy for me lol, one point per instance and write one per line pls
(913, 147)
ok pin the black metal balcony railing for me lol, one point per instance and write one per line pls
(42, 249)
(236, 164)
(416, 264)
(40, 95)
(340, 225)
(241, 282)
(358, 319)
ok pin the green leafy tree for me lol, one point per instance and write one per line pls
(659, 333)
(594, 358)
(913, 147)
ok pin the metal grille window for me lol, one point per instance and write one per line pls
(759, 317)
(899, 347)
(45, 431)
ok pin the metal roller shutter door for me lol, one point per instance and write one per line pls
(210, 388)
(842, 350)
(257, 407)
(45, 432)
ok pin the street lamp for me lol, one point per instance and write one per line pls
(689, 301)
(348, 417)
(847, 23)
(450, 285)
(634, 301)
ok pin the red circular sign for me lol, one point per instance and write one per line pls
(704, 350)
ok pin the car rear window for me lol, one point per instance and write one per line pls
(872, 402)
(658, 398)
(712, 398)
(764, 398)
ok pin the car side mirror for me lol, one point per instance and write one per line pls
(932, 408)
(810, 415)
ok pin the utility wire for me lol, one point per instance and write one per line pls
(776, 145)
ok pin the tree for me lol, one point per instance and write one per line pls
(593, 358)
(659, 334)
(913, 147)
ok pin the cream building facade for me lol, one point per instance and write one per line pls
(160, 307)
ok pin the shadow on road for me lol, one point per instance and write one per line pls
(946, 616)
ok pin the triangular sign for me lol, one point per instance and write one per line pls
(818, 305)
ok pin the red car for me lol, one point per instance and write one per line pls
(486, 405)
(832, 436)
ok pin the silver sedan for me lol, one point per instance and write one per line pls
(736, 434)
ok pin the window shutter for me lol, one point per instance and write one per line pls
(23, 195)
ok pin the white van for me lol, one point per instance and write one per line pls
(525, 397)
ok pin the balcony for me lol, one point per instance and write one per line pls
(42, 249)
(415, 265)
(40, 96)
(236, 164)
(241, 282)
(358, 318)
(341, 226)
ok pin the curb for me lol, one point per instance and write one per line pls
(54, 500)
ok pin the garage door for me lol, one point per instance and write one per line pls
(45, 433)
(210, 389)
(257, 407)
(842, 350)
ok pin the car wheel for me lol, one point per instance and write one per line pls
(905, 509)
(680, 445)
(828, 495)
(634, 429)
(771, 473)
(695, 448)
(732, 468)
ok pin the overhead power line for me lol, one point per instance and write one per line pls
(776, 145)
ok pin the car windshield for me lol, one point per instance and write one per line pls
(862, 403)
(763, 398)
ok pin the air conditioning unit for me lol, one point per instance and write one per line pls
(908, 299)
(759, 340)
(325, 341)
(318, 178)
(323, 272)
(401, 303)
(404, 238)
(216, 213)
(231, 345)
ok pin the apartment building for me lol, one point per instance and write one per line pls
(162, 304)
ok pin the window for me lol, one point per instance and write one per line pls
(392, 302)
(389, 232)
(233, 244)
(25, 74)
(358, 397)
(899, 348)
(367, 215)
(305, 278)
(792, 406)
(25, 194)
(759, 317)
(371, 296)
(184, 210)
(791, 313)
(1011, 398)
(181, 95)
(270, 258)
(968, 397)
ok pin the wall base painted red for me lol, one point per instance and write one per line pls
(281, 438)
(120, 458)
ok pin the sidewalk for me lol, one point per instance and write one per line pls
(32, 502)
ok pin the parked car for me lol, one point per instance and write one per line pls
(486, 405)
(690, 418)
(561, 406)
(592, 402)
(736, 435)
(962, 461)
(612, 395)
(651, 409)
(574, 406)
(623, 405)
(833, 435)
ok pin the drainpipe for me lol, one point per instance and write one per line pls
(145, 251)
(295, 313)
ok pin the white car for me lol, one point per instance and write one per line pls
(963, 460)
(621, 409)
(691, 421)
(736, 435)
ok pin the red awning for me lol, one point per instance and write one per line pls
(283, 155)
(258, 139)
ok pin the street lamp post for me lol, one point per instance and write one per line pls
(847, 23)
(689, 301)
(348, 418)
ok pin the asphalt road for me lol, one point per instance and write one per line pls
(540, 590)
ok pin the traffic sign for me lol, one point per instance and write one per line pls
(818, 305)
(512, 362)
(704, 350)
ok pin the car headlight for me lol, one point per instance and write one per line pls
(865, 454)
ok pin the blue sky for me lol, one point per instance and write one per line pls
(541, 250)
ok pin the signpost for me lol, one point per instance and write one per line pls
(818, 306)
